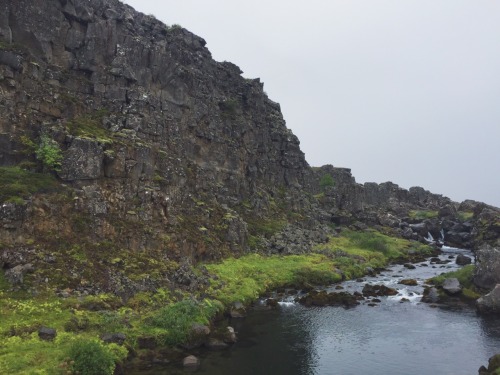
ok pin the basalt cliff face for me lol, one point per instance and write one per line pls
(127, 150)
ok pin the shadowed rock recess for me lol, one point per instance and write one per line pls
(126, 147)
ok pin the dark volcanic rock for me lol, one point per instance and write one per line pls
(47, 334)
(463, 260)
(430, 295)
(378, 290)
(487, 271)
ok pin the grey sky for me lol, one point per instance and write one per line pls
(406, 91)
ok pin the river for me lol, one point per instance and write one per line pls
(393, 337)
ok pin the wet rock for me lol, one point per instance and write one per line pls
(47, 334)
(490, 303)
(430, 295)
(452, 286)
(230, 336)
(378, 290)
(271, 302)
(463, 260)
(237, 310)
(409, 266)
(191, 361)
(216, 344)
(409, 282)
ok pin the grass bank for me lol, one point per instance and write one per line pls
(165, 318)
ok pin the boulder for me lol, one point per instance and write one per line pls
(198, 336)
(430, 295)
(409, 282)
(47, 334)
(15, 275)
(216, 344)
(487, 271)
(238, 310)
(190, 361)
(452, 286)
(490, 303)
(230, 336)
(117, 338)
(378, 290)
(463, 260)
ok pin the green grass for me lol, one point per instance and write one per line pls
(353, 252)
(245, 278)
(90, 126)
(16, 184)
(176, 319)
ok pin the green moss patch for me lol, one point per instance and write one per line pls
(423, 214)
(17, 183)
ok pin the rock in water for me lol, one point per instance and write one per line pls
(191, 361)
(452, 286)
(463, 260)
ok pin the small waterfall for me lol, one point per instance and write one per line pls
(429, 238)
(441, 238)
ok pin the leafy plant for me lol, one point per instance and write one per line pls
(49, 153)
(326, 181)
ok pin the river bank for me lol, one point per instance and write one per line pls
(396, 334)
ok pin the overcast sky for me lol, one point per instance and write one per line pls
(406, 91)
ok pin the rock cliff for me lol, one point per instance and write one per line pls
(126, 150)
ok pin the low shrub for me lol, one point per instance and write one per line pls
(91, 358)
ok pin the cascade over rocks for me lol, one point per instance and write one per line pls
(167, 158)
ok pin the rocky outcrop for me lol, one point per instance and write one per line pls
(487, 271)
(490, 303)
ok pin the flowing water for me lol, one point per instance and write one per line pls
(393, 337)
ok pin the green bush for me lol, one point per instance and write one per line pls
(49, 153)
(91, 358)
(326, 181)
